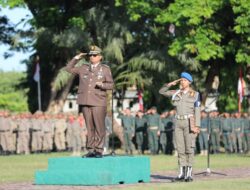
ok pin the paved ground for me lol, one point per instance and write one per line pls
(160, 177)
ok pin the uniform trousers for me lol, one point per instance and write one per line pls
(185, 143)
(203, 140)
(95, 123)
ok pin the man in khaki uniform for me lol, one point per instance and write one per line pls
(95, 79)
(23, 134)
(5, 132)
(48, 132)
(37, 132)
(60, 127)
(188, 118)
(13, 135)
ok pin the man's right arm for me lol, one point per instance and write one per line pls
(70, 67)
(166, 92)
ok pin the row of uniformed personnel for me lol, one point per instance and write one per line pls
(25, 133)
(230, 131)
(157, 128)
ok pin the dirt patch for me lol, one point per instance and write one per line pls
(158, 177)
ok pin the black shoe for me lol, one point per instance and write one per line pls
(98, 155)
(89, 155)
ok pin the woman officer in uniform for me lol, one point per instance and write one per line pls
(187, 103)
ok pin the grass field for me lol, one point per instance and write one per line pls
(22, 169)
(225, 184)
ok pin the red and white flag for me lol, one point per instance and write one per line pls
(241, 87)
(36, 76)
(140, 98)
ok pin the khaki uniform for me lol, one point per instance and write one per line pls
(48, 132)
(13, 135)
(60, 127)
(37, 135)
(187, 106)
(5, 133)
(93, 100)
(23, 134)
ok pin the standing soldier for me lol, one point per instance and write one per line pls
(171, 131)
(5, 132)
(128, 124)
(203, 136)
(153, 129)
(48, 131)
(23, 134)
(140, 129)
(215, 128)
(187, 102)
(226, 125)
(13, 136)
(237, 132)
(60, 127)
(246, 133)
(37, 132)
(95, 80)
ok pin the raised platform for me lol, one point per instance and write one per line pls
(95, 171)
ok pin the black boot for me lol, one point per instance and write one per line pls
(188, 174)
(181, 176)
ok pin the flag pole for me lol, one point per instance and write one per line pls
(39, 95)
(38, 85)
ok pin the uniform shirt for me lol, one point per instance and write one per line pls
(246, 125)
(153, 120)
(204, 124)
(226, 125)
(237, 124)
(128, 123)
(140, 124)
(88, 92)
(215, 124)
(185, 103)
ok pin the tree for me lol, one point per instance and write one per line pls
(12, 97)
(213, 34)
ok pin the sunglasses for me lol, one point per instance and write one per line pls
(94, 55)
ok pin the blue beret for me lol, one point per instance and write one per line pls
(187, 76)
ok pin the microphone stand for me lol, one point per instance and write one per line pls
(208, 171)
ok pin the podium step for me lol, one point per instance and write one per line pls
(95, 171)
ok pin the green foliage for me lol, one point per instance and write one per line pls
(210, 37)
(12, 97)
(12, 3)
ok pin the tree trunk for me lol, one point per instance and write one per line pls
(58, 97)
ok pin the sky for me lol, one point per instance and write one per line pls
(14, 63)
